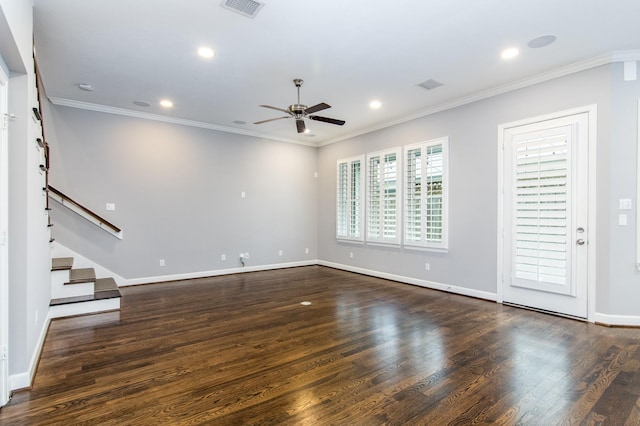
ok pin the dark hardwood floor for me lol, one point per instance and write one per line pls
(241, 349)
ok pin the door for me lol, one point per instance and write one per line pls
(545, 214)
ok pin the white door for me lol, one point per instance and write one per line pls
(545, 206)
(4, 250)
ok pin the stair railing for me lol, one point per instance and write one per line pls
(83, 211)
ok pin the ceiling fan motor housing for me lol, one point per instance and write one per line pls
(297, 109)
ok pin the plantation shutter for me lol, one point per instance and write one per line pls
(383, 189)
(426, 194)
(540, 206)
(349, 203)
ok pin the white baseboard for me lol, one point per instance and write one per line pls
(414, 281)
(617, 320)
(214, 273)
(23, 380)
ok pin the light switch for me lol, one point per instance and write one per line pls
(622, 219)
(624, 203)
(111, 206)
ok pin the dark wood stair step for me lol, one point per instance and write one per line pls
(105, 284)
(82, 275)
(105, 288)
(61, 263)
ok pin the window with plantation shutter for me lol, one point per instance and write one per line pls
(350, 202)
(383, 197)
(425, 199)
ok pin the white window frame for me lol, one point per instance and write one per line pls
(375, 195)
(350, 199)
(424, 241)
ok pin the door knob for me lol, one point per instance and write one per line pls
(580, 242)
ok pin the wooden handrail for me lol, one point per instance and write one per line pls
(85, 210)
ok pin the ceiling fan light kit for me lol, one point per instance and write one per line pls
(299, 112)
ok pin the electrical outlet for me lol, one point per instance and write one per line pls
(241, 255)
(306, 251)
(350, 255)
(223, 257)
(246, 255)
(161, 262)
(243, 194)
(427, 266)
(279, 252)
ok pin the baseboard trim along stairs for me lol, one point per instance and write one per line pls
(78, 291)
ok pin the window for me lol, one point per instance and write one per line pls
(426, 188)
(383, 197)
(350, 203)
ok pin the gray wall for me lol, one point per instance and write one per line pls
(29, 258)
(624, 278)
(473, 132)
(177, 192)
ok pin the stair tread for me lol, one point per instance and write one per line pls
(82, 275)
(111, 294)
(61, 263)
(105, 284)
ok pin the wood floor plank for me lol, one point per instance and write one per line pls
(241, 349)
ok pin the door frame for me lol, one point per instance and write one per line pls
(4, 243)
(592, 128)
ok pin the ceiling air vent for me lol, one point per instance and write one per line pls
(248, 8)
(430, 84)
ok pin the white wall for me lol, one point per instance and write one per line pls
(471, 262)
(177, 192)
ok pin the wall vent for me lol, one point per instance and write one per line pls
(248, 8)
(430, 84)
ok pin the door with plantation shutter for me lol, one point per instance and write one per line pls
(545, 179)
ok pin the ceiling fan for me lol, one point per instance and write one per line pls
(299, 112)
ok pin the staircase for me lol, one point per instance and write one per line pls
(78, 291)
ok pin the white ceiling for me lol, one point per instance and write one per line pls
(347, 52)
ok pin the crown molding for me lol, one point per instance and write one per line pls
(167, 119)
(608, 58)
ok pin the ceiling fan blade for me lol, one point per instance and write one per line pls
(317, 108)
(327, 120)
(271, 119)
(276, 108)
(300, 125)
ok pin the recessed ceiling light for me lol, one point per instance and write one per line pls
(205, 52)
(307, 131)
(375, 104)
(142, 103)
(85, 87)
(166, 103)
(305, 303)
(542, 41)
(509, 53)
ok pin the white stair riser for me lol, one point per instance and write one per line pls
(59, 289)
(83, 308)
